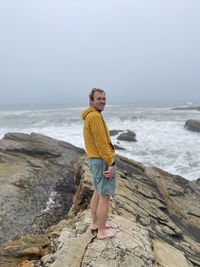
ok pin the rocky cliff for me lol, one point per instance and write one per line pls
(156, 216)
(36, 183)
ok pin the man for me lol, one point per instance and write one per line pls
(100, 152)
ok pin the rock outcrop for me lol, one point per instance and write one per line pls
(115, 132)
(155, 227)
(156, 216)
(192, 125)
(36, 183)
(128, 136)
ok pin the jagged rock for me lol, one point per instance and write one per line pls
(27, 246)
(130, 247)
(129, 136)
(151, 223)
(192, 125)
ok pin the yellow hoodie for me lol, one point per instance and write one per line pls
(96, 136)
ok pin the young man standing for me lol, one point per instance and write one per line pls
(100, 152)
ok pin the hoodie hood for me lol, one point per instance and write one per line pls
(87, 111)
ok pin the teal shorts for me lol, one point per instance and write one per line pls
(103, 186)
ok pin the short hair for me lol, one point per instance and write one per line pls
(91, 95)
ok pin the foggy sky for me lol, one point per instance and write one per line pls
(138, 51)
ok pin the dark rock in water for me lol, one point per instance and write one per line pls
(192, 125)
(129, 136)
(36, 182)
(187, 108)
(119, 147)
(115, 132)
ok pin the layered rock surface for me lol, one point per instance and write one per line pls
(36, 183)
(156, 216)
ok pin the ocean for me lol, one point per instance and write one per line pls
(162, 140)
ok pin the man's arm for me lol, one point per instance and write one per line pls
(99, 134)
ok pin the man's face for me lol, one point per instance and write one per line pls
(99, 101)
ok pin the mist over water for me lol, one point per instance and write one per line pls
(161, 138)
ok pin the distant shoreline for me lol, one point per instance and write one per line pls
(173, 106)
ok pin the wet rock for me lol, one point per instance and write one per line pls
(192, 125)
(115, 132)
(128, 136)
(119, 147)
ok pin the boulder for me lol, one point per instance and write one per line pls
(128, 136)
(192, 125)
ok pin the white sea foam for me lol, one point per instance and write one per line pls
(161, 137)
(50, 202)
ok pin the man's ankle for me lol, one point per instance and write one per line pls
(101, 229)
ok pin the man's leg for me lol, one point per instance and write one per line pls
(102, 211)
(93, 206)
(102, 215)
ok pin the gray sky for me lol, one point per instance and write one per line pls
(139, 51)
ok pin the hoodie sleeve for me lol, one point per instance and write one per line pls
(101, 141)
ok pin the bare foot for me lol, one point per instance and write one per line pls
(93, 227)
(106, 234)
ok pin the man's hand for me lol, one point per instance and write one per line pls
(110, 172)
